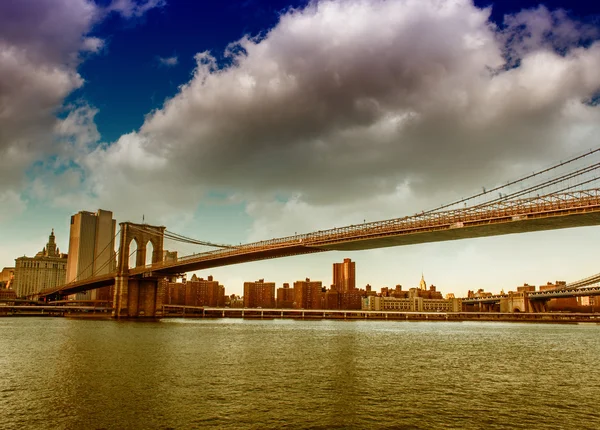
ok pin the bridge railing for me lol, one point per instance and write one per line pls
(561, 292)
(495, 212)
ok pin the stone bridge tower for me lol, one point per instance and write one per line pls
(138, 295)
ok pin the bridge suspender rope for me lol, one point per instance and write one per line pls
(93, 260)
(508, 184)
(550, 182)
(184, 239)
(78, 276)
(426, 220)
(180, 238)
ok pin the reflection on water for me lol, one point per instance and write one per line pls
(61, 373)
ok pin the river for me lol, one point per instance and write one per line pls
(60, 373)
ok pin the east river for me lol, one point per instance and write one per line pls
(59, 373)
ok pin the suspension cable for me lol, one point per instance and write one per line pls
(522, 179)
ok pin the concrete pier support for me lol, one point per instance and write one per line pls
(538, 305)
(121, 297)
(137, 298)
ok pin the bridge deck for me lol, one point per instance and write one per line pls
(550, 212)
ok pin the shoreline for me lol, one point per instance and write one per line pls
(318, 315)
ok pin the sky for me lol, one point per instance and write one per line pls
(237, 121)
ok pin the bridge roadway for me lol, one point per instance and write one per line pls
(557, 211)
(549, 212)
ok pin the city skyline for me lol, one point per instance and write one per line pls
(203, 118)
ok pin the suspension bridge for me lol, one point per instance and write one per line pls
(560, 196)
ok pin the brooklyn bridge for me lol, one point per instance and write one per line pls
(557, 197)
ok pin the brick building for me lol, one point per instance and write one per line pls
(195, 292)
(344, 276)
(259, 294)
(285, 297)
(308, 294)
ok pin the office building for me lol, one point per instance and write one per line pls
(91, 249)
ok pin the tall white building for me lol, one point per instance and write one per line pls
(91, 248)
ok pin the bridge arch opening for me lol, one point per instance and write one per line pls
(133, 253)
(149, 253)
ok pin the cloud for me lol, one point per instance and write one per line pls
(534, 29)
(343, 102)
(92, 44)
(11, 204)
(344, 107)
(134, 8)
(42, 42)
(168, 61)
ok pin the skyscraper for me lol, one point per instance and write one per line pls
(344, 276)
(91, 247)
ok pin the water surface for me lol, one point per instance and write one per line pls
(58, 373)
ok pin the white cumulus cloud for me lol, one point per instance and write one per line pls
(346, 101)
(41, 46)
(168, 61)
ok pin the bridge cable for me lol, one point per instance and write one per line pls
(179, 238)
(94, 260)
(556, 166)
(537, 187)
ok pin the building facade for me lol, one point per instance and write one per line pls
(91, 249)
(204, 292)
(308, 294)
(344, 276)
(46, 270)
(7, 296)
(411, 304)
(285, 297)
(7, 275)
(259, 294)
(418, 299)
(195, 292)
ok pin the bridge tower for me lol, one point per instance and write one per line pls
(138, 295)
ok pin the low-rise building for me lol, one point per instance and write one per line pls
(421, 299)
(7, 296)
(411, 304)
